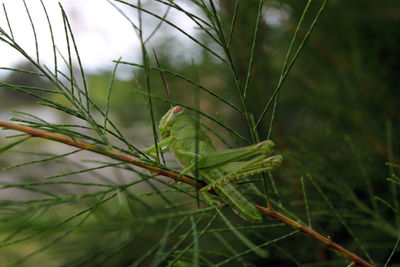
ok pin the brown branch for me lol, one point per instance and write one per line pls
(308, 231)
(110, 153)
(269, 211)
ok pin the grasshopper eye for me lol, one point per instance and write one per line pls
(177, 109)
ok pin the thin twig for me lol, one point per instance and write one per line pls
(107, 152)
(269, 211)
(307, 231)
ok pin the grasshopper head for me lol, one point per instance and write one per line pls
(169, 119)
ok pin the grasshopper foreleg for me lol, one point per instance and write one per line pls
(163, 146)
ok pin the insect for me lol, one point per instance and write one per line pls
(216, 168)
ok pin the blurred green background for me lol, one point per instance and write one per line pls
(337, 121)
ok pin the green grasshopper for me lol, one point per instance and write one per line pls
(216, 168)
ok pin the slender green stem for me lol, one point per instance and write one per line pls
(158, 170)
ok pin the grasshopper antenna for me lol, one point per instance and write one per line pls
(162, 78)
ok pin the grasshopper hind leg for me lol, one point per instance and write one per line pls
(236, 170)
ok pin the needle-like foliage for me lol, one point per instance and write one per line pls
(99, 200)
